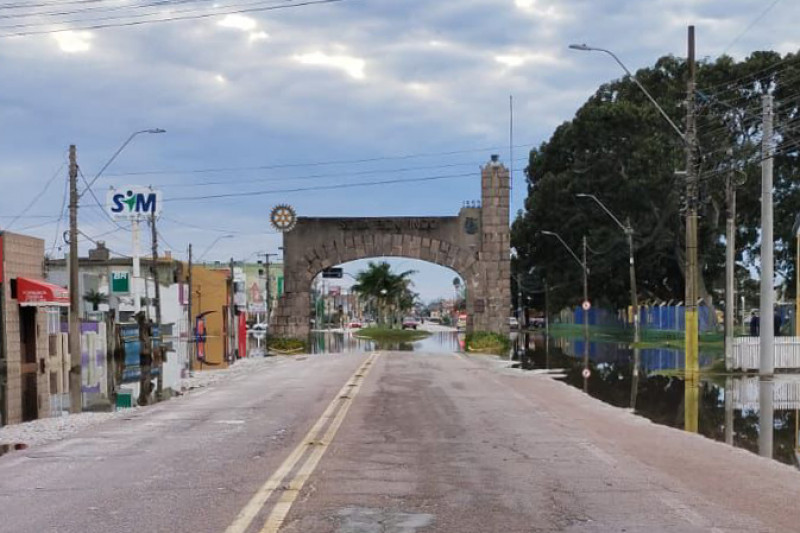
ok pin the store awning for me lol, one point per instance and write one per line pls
(40, 293)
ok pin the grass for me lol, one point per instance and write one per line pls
(287, 345)
(384, 334)
(650, 338)
(487, 342)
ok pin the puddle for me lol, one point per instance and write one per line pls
(649, 381)
(348, 341)
(6, 448)
(363, 520)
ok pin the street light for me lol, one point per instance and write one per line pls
(586, 48)
(210, 246)
(584, 305)
(628, 229)
(119, 150)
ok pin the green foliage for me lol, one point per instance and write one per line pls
(287, 344)
(391, 292)
(383, 334)
(95, 298)
(619, 148)
(487, 342)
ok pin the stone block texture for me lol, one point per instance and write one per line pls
(474, 244)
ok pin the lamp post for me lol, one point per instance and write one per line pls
(584, 304)
(628, 229)
(213, 243)
(689, 139)
(76, 401)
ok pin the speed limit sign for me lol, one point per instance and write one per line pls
(586, 305)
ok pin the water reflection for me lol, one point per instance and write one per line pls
(338, 341)
(653, 383)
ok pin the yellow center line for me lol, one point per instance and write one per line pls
(284, 505)
(251, 509)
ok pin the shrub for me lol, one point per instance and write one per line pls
(488, 342)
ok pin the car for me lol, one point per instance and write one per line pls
(355, 324)
(537, 322)
(513, 323)
(410, 322)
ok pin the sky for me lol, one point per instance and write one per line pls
(282, 105)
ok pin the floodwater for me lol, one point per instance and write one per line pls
(338, 341)
(649, 381)
(726, 408)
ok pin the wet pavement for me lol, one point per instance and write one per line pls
(726, 408)
(349, 341)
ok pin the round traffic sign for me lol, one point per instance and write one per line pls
(586, 305)
(586, 373)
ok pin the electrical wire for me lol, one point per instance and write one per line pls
(98, 24)
(751, 25)
(38, 196)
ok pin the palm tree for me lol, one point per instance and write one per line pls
(385, 287)
(95, 298)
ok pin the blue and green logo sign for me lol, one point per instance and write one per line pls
(133, 202)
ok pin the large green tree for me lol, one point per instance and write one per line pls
(621, 149)
(389, 290)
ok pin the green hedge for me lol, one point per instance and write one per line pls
(487, 342)
(287, 344)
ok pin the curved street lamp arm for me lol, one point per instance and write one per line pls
(584, 47)
(625, 228)
(557, 236)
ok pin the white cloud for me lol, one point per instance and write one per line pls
(220, 78)
(258, 36)
(238, 22)
(535, 8)
(73, 41)
(353, 66)
(517, 60)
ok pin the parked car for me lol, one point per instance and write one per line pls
(513, 323)
(538, 322)
(355, 324)
(410, 322)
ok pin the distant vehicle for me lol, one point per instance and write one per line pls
(355, 324)
(513, 323)
(462, 322)
(410, 322)
(537, 322)
(433, 320)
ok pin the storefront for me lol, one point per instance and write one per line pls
(32, 356)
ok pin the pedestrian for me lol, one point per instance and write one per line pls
(754, 324)
(778, 321)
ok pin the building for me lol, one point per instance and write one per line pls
(112, 279)
(210, 304)
(33, 361)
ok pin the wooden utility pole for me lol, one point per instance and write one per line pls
(730, 266)
(75, 393)
(692, 267)
(191, 347)
(232, 317)
(158, 348)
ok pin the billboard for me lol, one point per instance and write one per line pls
(133, 202)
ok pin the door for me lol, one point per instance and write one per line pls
(27, 343)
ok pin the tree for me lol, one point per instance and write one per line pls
(95, 298)
(619, 148)
(390, 291)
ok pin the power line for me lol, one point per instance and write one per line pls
(38, 196)
(88, 25)
(316, 188)
(751, 25)
(313, 163)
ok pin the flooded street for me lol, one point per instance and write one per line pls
(649, 381)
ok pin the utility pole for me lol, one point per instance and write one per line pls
(75, 393)
(730, 258)
(585, 319)
(232, 316)
(767, 304)
(158, 353)
(692, 270)
(192, 344)
(632, 271)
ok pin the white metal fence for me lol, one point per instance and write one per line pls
(785, 394)
(747, 352)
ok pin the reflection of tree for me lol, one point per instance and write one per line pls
(661, 399)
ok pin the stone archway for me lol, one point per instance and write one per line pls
(475, 244)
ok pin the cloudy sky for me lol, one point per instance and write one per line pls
(313, 96)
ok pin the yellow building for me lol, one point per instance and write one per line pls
(210, 300)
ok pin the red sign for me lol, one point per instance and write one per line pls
(33, 292)
(242, 335)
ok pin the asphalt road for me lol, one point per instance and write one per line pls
(394, 443)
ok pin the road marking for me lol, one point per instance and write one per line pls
(284, 505)
(343, 398)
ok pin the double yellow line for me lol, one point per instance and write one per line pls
(332, 418)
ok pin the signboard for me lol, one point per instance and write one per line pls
(133, 202)
(334, 290)
(586, 305)
(336, 273)
(120, 282)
